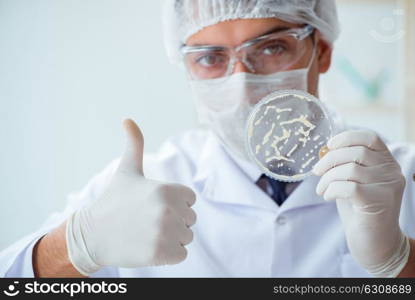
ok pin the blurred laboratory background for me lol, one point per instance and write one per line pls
(71, 70)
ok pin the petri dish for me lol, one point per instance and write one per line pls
(285, 132)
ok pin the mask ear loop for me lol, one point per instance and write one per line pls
(310, 63)
(313, 56)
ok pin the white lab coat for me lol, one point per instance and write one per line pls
(240, 231)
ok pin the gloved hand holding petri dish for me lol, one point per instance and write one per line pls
(287, 132)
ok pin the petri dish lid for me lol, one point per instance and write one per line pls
(285, 132)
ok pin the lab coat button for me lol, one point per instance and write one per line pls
(281, 220)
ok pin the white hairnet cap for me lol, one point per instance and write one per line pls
(183, 18)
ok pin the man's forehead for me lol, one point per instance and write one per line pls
(234, 32)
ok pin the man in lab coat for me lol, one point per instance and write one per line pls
(354, 218)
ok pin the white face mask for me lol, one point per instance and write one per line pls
(224, 105)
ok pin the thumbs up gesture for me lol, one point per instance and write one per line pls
(136, 222)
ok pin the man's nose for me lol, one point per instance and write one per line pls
(240, 67)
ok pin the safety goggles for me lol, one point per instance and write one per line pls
(264, 55)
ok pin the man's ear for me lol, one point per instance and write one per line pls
(324, 54)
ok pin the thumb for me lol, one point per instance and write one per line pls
(132, 159)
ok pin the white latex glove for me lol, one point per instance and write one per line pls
(137, 222)
(362, 176)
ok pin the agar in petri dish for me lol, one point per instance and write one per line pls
(286, 132)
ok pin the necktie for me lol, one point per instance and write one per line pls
(277, 188)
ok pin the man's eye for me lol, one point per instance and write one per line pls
(274, 49)
(210, 60)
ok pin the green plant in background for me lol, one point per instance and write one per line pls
(370, 87)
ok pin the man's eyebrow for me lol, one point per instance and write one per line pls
(275, 29)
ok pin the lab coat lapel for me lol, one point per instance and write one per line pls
(221, 180)
(304, 195)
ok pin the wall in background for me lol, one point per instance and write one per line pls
(366, 80)
(71, 70)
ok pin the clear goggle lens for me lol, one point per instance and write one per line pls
(262, 56)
